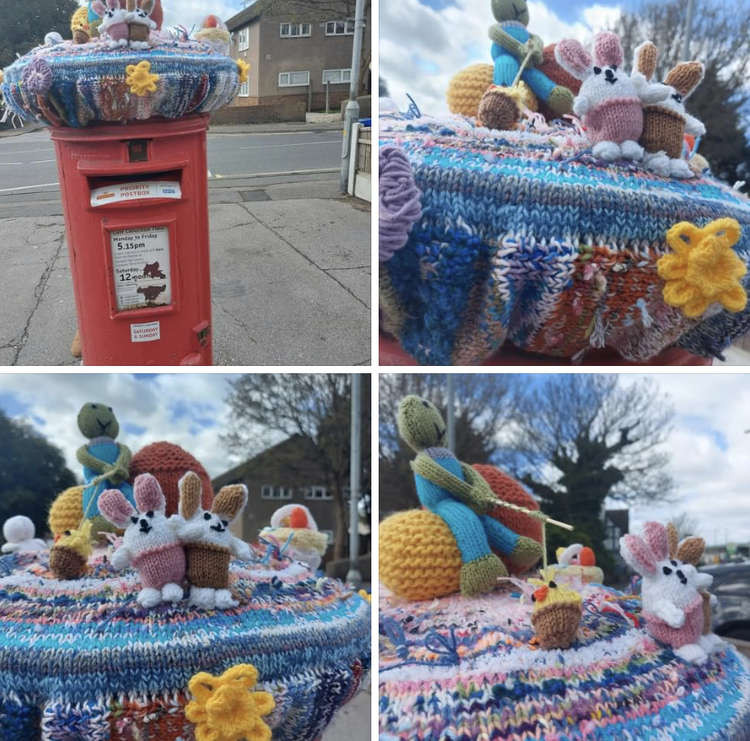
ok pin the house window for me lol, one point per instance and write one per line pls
(268, 491)
(292, 79)
(340, 28)
(243, 42)
(318, 492)
(245, 89)
(336, 76)
(294, 30)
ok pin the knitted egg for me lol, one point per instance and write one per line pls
(466, 88)
(66, 511)
(419, 558)
(169, 463)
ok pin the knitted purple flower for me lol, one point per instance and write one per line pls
(37, 77)
(400, 201)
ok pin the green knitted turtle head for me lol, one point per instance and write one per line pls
(511, 10)
(97, 420)
(420, 424)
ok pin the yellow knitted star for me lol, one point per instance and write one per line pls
(242, 69)
(364, 595)
(139, 78)
(224, 708)
(703, 268)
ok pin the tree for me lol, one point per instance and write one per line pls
(484, 405)
(685, 524)
(25, 24)
(721, 40)
(580, 439)
(315, 406)
(32, 472)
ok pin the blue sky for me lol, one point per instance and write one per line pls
(186, 409)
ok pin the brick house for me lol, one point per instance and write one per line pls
(293, 51)
(285, 473)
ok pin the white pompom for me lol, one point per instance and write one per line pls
(18, 528)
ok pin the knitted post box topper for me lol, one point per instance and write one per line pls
(666, 123)
(149, 544)
(608, 101)
(422, 428)
(511, 43)
(672, 604)
(209, 544)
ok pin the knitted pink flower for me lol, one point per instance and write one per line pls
(37, 76)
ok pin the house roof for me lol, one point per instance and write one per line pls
(248, 14)
(619, 517)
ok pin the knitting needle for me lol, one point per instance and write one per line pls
(521, 69)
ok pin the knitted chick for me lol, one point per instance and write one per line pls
(293, 524)
(556, 614)
(213, 32)
(436, 471)
(511, 42)
(576, 563)
(79, 25)
(70, 553)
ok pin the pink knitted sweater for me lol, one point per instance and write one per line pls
(690, 632)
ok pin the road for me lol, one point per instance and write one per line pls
(27, 161)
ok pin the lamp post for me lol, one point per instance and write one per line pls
(351, 112)
(353, 576)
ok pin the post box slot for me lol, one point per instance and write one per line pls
(116, 190)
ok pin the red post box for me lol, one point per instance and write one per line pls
(136, 214)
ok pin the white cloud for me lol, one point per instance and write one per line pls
(450, 39)
(55, 398)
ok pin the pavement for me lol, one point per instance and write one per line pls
(352, 722)
(290, 257)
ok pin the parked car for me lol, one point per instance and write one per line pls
(731, 614)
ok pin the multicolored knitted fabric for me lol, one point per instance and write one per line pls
(463, 669)
(527, 238)
(82, 660)
(83, 84)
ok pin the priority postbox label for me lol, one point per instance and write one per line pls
(135, 191)
(145, 332)
(141, 267)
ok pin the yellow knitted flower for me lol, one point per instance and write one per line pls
(703, 268)
(242, 68)
(364, 595)
(224, 708)
(139, 78)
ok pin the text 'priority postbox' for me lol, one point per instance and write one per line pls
(136, 214)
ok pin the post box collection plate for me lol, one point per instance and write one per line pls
(140, 267)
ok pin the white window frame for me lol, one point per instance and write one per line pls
(269, 491)
(318, 494)
(284, 492)
(245, 89)
(341, 80)
(266, 491)
(288, 76)
(295, 30)
(243, 38)
(348, 30)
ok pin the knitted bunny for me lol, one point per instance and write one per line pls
(672, 605)
(209, 545)
(689, 551)
(140, 24)
(665, 124)
(149, 543)
(114, 25)
(608, 101)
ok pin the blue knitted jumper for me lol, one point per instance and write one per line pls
(474, 533)
(506, 65)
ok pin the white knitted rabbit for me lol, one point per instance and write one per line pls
(114, 25)
(608, 101)
(209, 544)
(141, 24)
(149, 543)
(666, 121)
(672, 606)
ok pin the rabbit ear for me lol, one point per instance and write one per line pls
(637, 554)
(115, 508)
(148, 494)
(147, 6)
(607, 49)
(99, 8)
(645, 57)
(672, 538)
(191, 490)
(685, 77)
(573, 58)
(691, 549)
(230, 501)
(655, 534)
